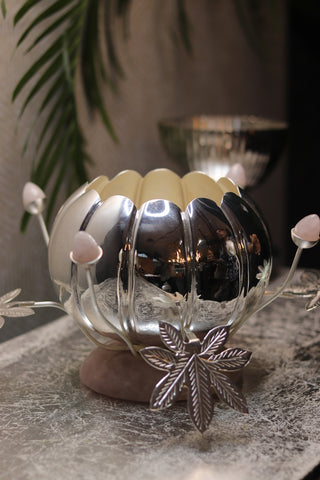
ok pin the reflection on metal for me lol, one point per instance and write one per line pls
(217, 259)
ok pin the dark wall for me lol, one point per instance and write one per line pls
(304, 118)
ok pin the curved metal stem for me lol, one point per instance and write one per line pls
(274, 295)
(278, 292)
(43, 228)
(80, 316)
(47, 304)
(121, 334)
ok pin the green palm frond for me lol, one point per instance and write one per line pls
(72, 27)
(184, 25)
(3, 8)
(57, 159)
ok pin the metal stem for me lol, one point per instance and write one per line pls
(78, 313)
(43, 228)
(47, 304)
(100, 313)
(277, 294)
(190, 336)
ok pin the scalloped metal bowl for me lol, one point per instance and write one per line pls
(190, 251)
(212, 144)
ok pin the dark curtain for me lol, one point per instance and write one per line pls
(304, 118)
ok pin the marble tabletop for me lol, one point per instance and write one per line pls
(52, 427)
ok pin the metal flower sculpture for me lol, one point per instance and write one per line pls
(182, 261)
(198, 366)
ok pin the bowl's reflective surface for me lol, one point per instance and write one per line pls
(208, 265)
(213, 144)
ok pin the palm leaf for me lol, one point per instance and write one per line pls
(108, 33)
(53, 26)
(184, 25)
(55, 71)
(44, 164)
(56, 86)
(44, 78)
(56, 7)
(158, 357)
(90, 65)
(61, 174)
(36, 66)
(52, 114)
(24, 9)
(60, 152)
(3, 8)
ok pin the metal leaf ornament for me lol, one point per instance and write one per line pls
(12, 309)
(307, 287)
(199, 366)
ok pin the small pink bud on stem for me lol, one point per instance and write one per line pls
(33, 198)
(85, 250)
(306, 233)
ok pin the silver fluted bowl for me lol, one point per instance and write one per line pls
(188, 251)
(213, 144)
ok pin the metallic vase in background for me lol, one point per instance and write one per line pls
(213, 144)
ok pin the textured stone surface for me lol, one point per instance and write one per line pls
(53, 427)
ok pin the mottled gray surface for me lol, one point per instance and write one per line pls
(52, 427)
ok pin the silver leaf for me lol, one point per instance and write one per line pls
(230, 359)
(158, 357)
(16, 312)
(7, 297)
(171, 337)
(200, 400)
(169, 388)
(195, 370)
(214, 340)
(314, 302)
(228, 392)
(309, 285)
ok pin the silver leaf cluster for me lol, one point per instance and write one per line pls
(8, 308)
(200, 366)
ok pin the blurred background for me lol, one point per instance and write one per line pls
(225, 74)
